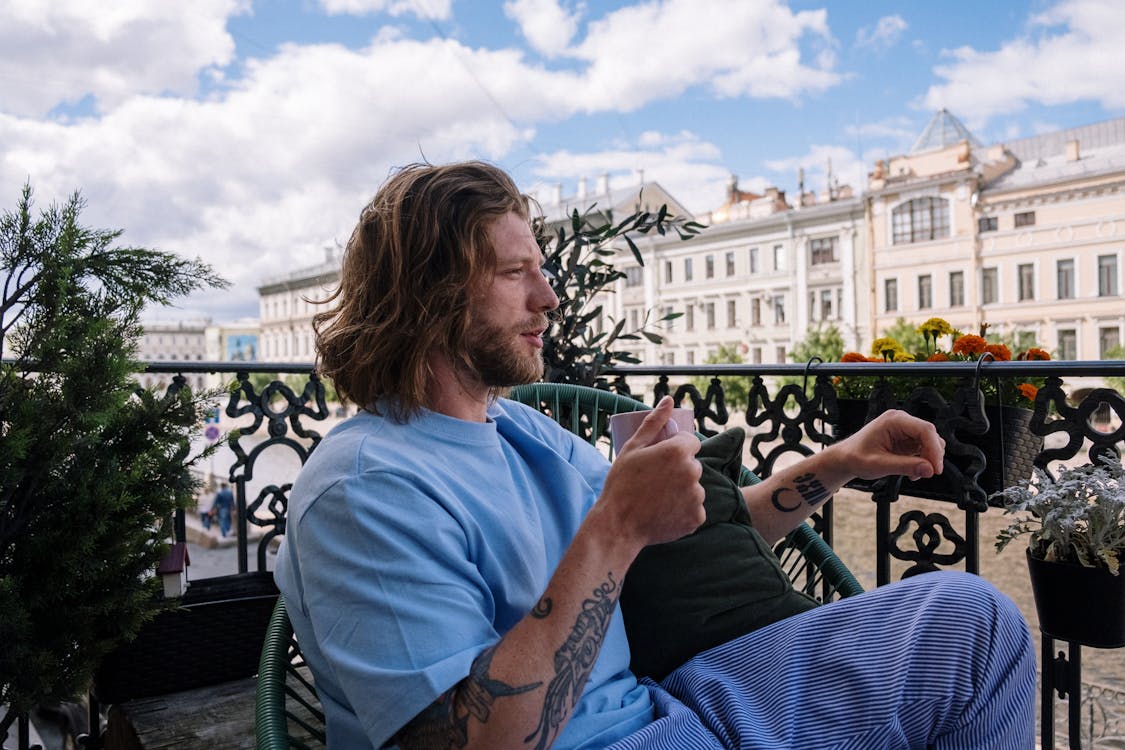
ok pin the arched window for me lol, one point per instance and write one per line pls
(920, 220)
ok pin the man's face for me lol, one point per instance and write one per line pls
(509, 315)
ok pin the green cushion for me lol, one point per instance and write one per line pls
(711, 586)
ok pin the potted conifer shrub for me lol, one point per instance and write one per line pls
(92, 470)
(1075, 524)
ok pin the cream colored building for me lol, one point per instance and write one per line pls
(182, 341)
(1026, 236)
(756, 279)
(286, 305)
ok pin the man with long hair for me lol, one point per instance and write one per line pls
(453, 559)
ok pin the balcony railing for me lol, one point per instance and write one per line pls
(1075, 418)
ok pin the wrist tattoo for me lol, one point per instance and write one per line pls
(542, 608)
(807, 487)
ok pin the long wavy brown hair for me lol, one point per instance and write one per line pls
(408, 272)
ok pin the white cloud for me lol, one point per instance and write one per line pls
(686, 166)
(660, 48)
(63, 51)
(275, 163)
(1072, 53)
(437, 10)
(547, 25)
(888, 30)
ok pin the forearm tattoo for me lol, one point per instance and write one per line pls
(445, 722)
(574, 661)
(807, 488)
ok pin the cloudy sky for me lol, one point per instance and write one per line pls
(250, 133)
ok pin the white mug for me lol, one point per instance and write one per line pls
(622, 426)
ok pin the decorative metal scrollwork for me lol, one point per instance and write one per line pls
(245, 400)
(930, 530)
(710, 407)
(1075, 423)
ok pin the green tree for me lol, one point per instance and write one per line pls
(736, 388)
(823, 341)
(578, 256)
(91, 468)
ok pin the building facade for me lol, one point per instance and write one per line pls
(1028, 237)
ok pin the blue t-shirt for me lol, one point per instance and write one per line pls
(410, 548)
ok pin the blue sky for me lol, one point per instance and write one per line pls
(251, 133)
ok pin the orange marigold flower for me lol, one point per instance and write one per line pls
(1036, 353)
(938, 357)
(854, 357)
(969, 344)
(999, 351)
(1028, 391)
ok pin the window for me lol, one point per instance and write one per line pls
(730, 264)
(634, 276)
(756, 355)
(667, 272)
(920, 220)
(778, 258)
(689, 317)
(756, 311)
(687, 269)
(825, 304)
(1068, 344)
(956, 288)
(732, 313)
(669, 323)
(988, 286)
(1107, 275)
(925, 292)
(691, 358)
(709, 309)
(634, 319)
(1064, 275)
(987, 224)
(890, 295)
(709, 267)
(779, 309)
(1108, 338)
(1025, 219)
(1026, 273)
(781, 353)
(753, 260)
(822, 250)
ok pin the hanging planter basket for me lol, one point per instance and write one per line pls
(1077, 603)
(1009, 451)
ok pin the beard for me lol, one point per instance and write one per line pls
(497, 357)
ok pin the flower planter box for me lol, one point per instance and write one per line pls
(1077, 603)
(1005, 466)
(215, 636)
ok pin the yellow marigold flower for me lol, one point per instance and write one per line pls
(854, 357)
(999, 351)
(938, 357)
(885, 347)
(1028, 391)
(935, 327)
(969, 345)
(1036, 353)
(901, 356)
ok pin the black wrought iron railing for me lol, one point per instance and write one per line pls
(791, 411)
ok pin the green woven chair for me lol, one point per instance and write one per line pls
(288, 714)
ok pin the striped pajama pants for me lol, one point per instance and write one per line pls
(941, 660)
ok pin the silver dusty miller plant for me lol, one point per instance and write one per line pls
(1078, 518)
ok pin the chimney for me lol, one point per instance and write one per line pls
(732, 189)
(556, 194)
(581, 188)
(603, 184)
(1072, 150)
(640, 177)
